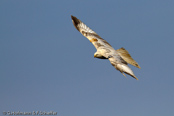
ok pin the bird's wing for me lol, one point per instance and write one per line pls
(122, 67)
(92, 36)
(127, 57)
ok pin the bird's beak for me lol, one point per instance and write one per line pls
(95, 55)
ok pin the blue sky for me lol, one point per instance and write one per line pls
(47, 65)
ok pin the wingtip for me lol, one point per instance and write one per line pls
(75, 22)
(136, 65)
(72, 16)
(130, 75)
(135, 77)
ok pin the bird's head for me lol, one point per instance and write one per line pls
(98, 55)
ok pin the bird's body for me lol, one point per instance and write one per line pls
(118, 58)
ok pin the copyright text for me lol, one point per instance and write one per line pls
(18, 113)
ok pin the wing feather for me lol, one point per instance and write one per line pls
(123, 68)
(127, 57)
(92, 36)
(118, 58)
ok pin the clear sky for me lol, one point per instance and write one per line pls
(47, 65)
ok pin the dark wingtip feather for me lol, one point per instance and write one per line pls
(75, 22)
(72, 17)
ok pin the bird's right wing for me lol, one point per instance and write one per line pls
(122, 67)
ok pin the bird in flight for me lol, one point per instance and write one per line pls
(118, 58)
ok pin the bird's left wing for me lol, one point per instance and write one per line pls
(92, 36)
(127, 57)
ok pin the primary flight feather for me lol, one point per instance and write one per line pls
(118, 58)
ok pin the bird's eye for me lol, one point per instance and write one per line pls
(110, 56)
